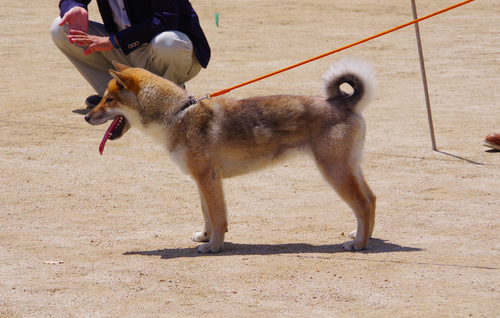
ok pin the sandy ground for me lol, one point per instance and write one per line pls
(84, 235)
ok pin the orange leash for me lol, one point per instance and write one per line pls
(227, 90)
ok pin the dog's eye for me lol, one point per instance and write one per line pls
(109, 100)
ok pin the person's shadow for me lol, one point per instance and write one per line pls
(374, 246)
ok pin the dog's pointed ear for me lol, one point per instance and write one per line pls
(123, 79)
(120, 67)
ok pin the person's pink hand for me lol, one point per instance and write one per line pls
(95, 43)
(77, 19)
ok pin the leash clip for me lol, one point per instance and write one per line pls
(205, 97)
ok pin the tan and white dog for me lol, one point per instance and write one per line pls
(218, 138)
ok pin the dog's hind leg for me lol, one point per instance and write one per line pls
(373, 199)
(210, 186)
(203, 235)
(349, 183)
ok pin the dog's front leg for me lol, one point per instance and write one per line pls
(205, 234)
(210, 187)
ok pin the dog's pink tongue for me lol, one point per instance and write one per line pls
(112, 127)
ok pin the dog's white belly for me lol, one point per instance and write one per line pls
(232, 168)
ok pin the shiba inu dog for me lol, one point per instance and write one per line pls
(217, 138)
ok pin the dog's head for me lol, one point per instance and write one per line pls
(134, 98)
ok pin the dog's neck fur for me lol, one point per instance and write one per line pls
(151, 120)
(153, 129)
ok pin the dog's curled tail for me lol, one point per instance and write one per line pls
(359, 75)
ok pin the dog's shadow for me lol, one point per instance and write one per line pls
(374, 246)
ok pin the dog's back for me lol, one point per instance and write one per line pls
(252, 133)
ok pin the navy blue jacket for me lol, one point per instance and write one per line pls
(149, 18)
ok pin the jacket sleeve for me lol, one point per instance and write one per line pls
(165, 15)
(66, 5)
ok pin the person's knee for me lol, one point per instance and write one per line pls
(172, 44)
(58, 33)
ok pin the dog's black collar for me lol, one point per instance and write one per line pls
(191, 101)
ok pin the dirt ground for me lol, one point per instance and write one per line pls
(84, 235)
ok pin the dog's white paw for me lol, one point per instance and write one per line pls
(353, 246)
(200, 237)
(209, 248)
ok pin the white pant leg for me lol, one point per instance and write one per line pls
(93, 67)
(170, 55)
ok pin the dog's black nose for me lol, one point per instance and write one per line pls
(87, 118)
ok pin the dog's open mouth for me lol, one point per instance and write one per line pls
(114, 131)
